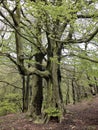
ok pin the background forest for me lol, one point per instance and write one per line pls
(48, 55)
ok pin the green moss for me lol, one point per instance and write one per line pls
(91, 128)
(54, 112)
(10, 104)
(6, 108)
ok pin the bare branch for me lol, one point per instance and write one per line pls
(87, 15)
(10, 84)
(84, 57)
(86, 39)
(9, 56)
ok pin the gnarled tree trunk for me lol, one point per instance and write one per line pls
(54, 98)
(37, 90)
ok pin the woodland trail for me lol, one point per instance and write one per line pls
(82, 116)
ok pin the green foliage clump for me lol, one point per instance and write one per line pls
(53, 112)
(10, 104)
(6, 108)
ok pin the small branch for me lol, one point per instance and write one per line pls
(9, 56)
(10, 84)
(87, 16)
(84, 40)
(85, 58)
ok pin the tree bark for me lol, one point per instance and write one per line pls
(73, 92)
(37, 90)
(54, 94)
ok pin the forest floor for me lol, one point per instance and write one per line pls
(82, 116)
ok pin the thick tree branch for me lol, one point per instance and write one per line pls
(23, 36)
(32, 71)
(24, 71)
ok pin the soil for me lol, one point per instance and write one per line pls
(81, 116)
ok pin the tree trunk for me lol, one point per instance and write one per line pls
(73, 92)
(54, 101)
(78, 92)
(26, 92)
(67, 94)
(24, 106)
(37, 90)
(36, 98)
(96, 84)
(19, 51)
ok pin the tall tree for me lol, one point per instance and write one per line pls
(43, 30)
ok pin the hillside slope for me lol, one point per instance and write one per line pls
(82, 116)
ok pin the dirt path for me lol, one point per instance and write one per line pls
(82, 116)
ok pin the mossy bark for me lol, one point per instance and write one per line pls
(54, 95)
(37, 90)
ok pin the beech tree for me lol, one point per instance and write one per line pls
(42, 31)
